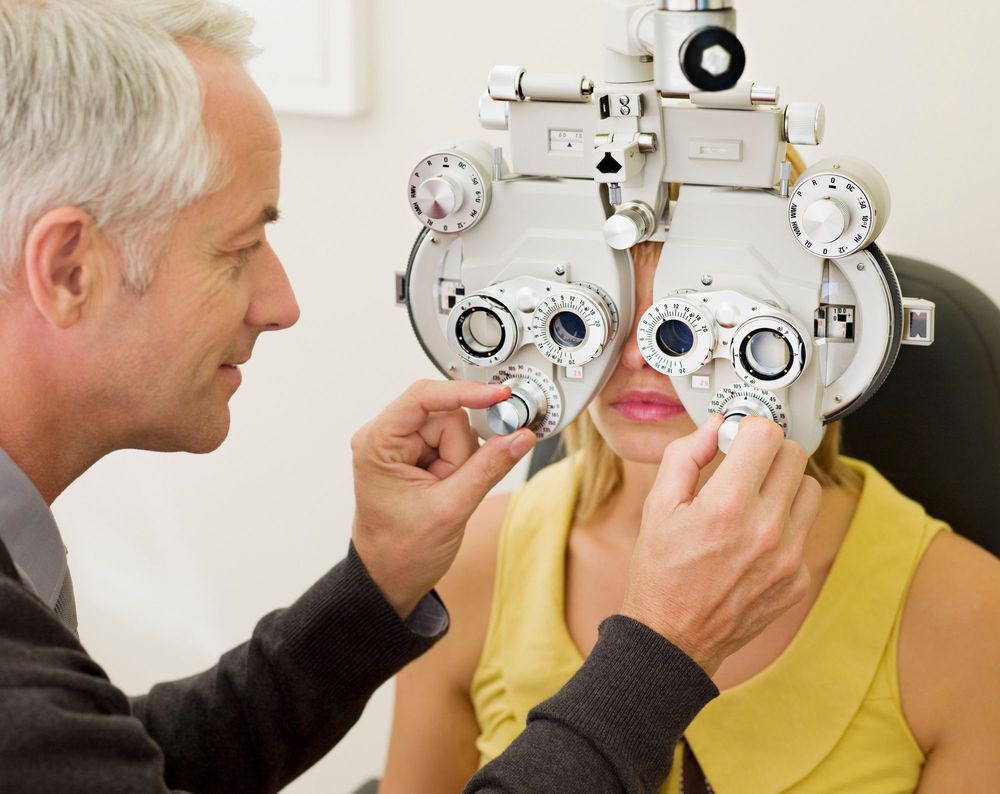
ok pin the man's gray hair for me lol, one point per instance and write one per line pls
(100, 109)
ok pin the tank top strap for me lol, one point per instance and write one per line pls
(798, 707)
(527, 654)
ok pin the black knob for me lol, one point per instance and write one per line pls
(713, 59)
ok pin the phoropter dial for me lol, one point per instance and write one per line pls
(736, 402)
(483, 331)
(770, 350)
(572, 326)
(449, 191)
(838, 207)
(676, 336)
(608, 303)
(534, 402)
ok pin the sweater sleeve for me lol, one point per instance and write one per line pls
(614, 725)
(267, 711)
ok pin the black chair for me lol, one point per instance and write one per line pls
(933, 429)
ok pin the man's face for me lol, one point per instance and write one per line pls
(172, 352)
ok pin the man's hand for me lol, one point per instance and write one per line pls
(419, 473)
(710, 572)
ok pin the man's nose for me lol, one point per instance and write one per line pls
(273, 306)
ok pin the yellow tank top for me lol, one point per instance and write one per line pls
(824, 716)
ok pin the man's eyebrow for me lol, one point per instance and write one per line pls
(270, 214)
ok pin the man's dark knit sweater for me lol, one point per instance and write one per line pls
(277, 704)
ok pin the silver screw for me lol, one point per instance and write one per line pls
(839, 398)
(707, 280)
(452, 368)
(560, 270)
(434, 240)
(861, 266)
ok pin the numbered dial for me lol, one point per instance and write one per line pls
(572, 326)
(838, 208)
(449, 192)
(483, 331)
(608, 302)
(676, 336)
(769, 351)
(534, 392)
(738, 401)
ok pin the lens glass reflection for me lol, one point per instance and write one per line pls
(768, 354)
(482, 332)
(568, 329)
(675, 338)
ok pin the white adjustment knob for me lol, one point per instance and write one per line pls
(735, 413)
(629, 226)
(727, 433)
(525, 405)
(826, 220)
(505, 83)
(805, 123)
(439, 197)
(493, 114)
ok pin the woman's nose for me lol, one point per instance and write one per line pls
(631, 357)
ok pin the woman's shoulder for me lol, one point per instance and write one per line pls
(467, 588)
(949, 641)
(476, 560)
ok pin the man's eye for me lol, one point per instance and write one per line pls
(244, 254)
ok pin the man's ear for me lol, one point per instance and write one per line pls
(63, 264)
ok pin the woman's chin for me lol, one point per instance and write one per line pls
(644, 442)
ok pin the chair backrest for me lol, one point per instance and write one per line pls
(933, 429)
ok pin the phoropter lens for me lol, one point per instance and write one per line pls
(675, 338)
(568, 329)
(481, 332)
(768, 354)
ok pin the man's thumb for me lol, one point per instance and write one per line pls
(682, 463)
(487, 466)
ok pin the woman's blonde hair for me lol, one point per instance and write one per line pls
(602, 468)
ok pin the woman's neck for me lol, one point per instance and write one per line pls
(622, 513)
(624, 507)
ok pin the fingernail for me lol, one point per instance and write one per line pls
(521, 445)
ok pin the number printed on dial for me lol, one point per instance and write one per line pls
(847, 224)
(448, 193)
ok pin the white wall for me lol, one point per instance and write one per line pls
(175, 557)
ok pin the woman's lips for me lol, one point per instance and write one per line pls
(647, 406)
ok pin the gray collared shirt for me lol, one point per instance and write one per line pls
(29, 531)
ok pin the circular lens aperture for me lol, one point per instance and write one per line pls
(768, 354)
(573, 324)
(675, 338)
(676, 335)
(770, 350)
(568, 329)
(481, 331)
